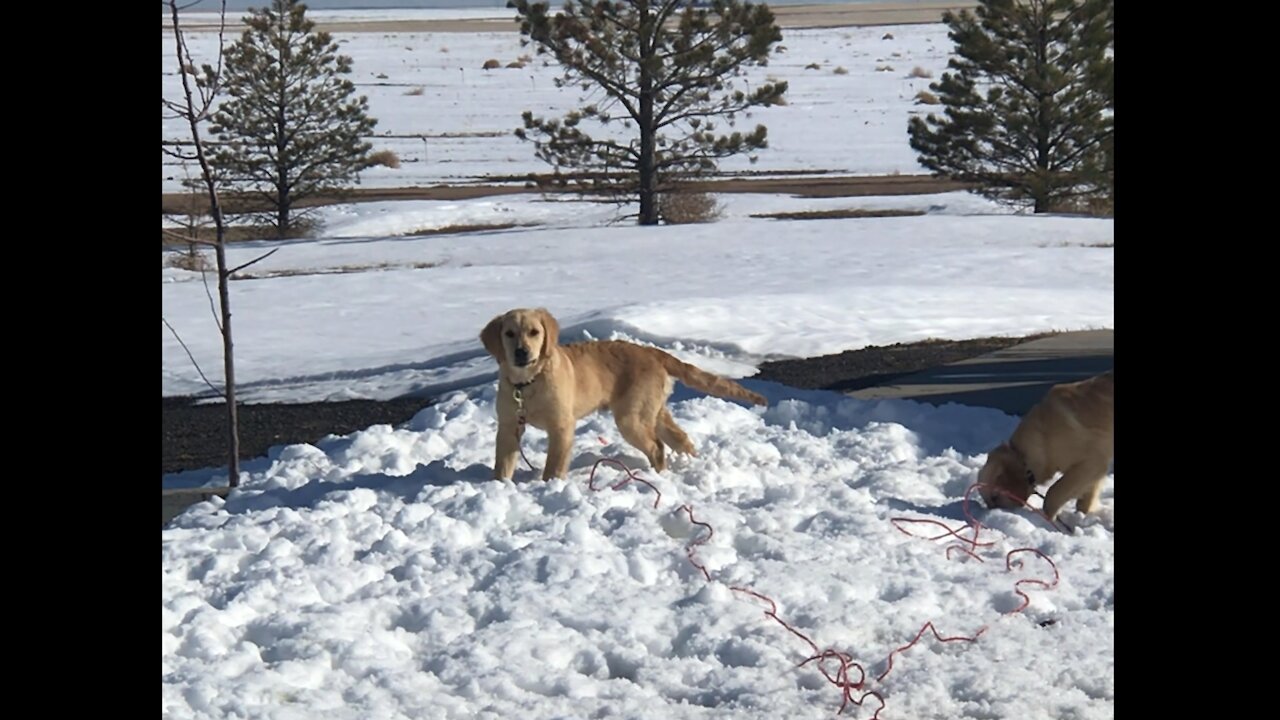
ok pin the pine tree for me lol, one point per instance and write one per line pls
(666, 71)
(291, 126)
(1029, 106)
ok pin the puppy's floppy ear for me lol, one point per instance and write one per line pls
(551, 332)
(491, 336)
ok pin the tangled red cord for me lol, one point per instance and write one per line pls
(969, 546)
(844, 662)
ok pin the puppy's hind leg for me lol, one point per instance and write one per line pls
(643, 436)
(671, 434)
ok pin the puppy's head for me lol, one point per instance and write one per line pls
(521, 339)
(1004, 479)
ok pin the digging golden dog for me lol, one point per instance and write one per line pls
(551, 386)
(1070, 431)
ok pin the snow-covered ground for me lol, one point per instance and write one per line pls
(460, 128)
(361, 314)
(385, 575)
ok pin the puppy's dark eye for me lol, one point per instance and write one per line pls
(510, 334)
(533, 333)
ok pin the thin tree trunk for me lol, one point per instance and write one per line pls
(648, 181)
(228, 357)
(224, 276)
(1044, 129)
(282, 213)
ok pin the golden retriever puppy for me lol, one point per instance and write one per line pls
(1069, 431)
(551, 386)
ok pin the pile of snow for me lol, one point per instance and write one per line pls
(385, 575)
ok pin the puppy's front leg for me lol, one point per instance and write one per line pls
(559, 446)
(508, 442)
(1076, 481)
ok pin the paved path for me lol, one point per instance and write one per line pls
(1011, 380)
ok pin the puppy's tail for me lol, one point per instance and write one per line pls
(700, 379)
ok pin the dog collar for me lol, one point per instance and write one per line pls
(1026, 466)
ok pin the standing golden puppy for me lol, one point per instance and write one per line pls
(1069, 431)
(550, 387)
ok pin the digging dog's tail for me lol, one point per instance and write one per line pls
(700, 379)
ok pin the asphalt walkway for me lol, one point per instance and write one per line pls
(1010, 380)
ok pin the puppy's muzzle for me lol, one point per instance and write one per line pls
(521, 356)
(998, 501)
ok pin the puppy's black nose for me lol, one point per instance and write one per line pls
(522, 356)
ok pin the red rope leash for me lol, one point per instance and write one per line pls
(928, 626)
(840, 677)
(1010, 566)
(968, 546)
(964, 544)
(520, 436)
(688, 549)
(631, 475)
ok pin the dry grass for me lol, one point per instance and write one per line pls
(194, 261)
(839, 214)
(840, 70)
(924, 97)
(1087, 245)
(415, 91)
(381, 76)
(884, 68)
(458, 229)
(239, 233)
(234, 233)
(385, 158)
(515, 65)
(1089, 206)
(684, 208)
(919, 72)
(340, 270)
